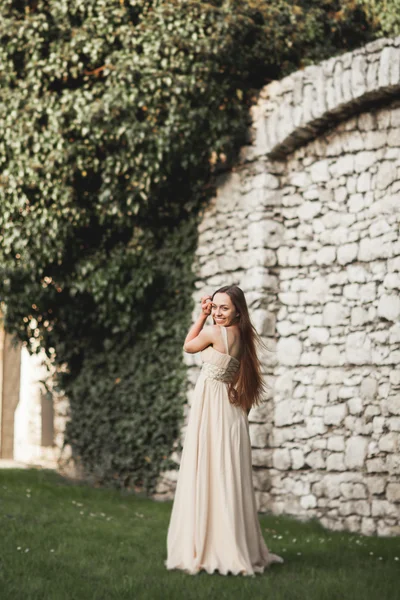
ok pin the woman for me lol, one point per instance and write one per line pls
(214, 522)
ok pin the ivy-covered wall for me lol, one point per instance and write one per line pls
(115, 117)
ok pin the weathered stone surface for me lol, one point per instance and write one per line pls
(356, 452)
(393, 492)
(281, 459)
(307, 225)
(334, 415)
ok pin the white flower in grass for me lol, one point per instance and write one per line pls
(396, 558)
(51, 549)
(18, 547)
(371, 553)
(299, 554)
(380, 558)
(81, 512)
(26, 549)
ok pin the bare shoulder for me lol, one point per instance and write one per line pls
(213, 331)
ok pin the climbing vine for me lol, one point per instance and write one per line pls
(115, 117)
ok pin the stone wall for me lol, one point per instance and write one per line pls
(308, 225)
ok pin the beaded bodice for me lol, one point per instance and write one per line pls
(218, 365)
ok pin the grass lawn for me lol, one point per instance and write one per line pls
(61, 540)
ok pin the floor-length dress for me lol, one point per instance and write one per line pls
(214, 522)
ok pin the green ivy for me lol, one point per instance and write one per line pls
(115, 116)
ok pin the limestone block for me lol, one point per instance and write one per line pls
(281, 459)
(262, 479)
(385, 529)
(284, 384)
(368, 388)
(263, 501)
(359, 75)
(393, 492)
(315, 426)
(331, 356)
(308, 210)
(364, 160)
(392, 281)
(353, 490)
(393, 464)
(320, 171)
(371, 249)
(347, 253)
(389, 67)
(356, 452)
(335, 414)
(355, 406)
(283, 414)
(389, 307)
(326, 255)
(389, 442)
(393, 137)
(316, 292)
(261, 457)
(309, 501)
(383, 508)
(376, 485)
(386, 175)
(379, 227)
(336, 443)
(359, 316)
(376, 465)
(289, 350)
(334, 313)
(258, 435)
(375, 139)
(358, 348)
(299, 179)
(358, 507)
(368, 526)
(331, 485)
(353, 523)
(344, 165)
(393, 404)
(394, 423)
(335, 462)
(318, 335)
(355, 203)
(315, 459)
(297, 457)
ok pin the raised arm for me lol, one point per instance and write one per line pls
(198, 338)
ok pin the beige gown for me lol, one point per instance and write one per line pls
(214, 522)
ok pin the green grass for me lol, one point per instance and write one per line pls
(61, 540)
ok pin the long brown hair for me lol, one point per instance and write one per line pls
(248, 386)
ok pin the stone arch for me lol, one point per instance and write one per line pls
(307, 224)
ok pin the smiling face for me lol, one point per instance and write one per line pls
(223, 310)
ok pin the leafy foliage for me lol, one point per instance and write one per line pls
(115, 115)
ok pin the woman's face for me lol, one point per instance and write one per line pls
(223, 310)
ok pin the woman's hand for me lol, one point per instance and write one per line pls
(206, 305)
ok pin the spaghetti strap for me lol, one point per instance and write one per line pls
(225, 336)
